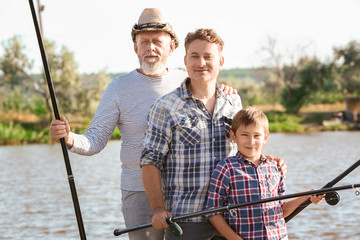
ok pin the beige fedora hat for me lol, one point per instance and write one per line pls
(151, 19)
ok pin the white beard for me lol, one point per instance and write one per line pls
(154, 68)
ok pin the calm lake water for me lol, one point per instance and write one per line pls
(35, 199)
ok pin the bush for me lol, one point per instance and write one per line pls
(284, 122)
(286, 127)
(13, 133)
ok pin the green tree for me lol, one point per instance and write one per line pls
(93, 87)
(14, 64)
(250, 92)
(64, 72)
(348, 60)
(306, 79)
(14, 67)
(272, 88)
(65, 78)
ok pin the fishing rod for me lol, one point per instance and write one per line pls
(57, 116)
(329, 184)
(178, 231)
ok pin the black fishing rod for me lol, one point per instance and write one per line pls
(329, 184)
(177, 230)
(57, 116)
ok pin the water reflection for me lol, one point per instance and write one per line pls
(35, 200)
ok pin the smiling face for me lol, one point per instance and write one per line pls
(203, 60)
(250, 140)
(153, 49)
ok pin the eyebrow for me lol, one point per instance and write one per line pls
(206, 54)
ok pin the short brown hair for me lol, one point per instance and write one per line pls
(248, 116)
(206, 35)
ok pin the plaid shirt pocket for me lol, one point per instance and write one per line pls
(273, 182)
(188, 130)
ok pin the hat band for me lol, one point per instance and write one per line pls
(150, 25)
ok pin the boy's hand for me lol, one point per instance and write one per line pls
(280, 163)
(316, 199)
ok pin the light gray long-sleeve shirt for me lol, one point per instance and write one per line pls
(125, 104)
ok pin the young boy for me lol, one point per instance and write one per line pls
(249, 176)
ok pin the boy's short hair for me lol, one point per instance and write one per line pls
(248, 116)
(204, 34)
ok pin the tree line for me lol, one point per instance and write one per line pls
(20, 91)
(305, 81)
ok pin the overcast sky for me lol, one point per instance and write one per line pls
(98, 32)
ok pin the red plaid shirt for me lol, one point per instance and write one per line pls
(236, 180)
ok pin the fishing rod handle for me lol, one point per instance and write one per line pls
(118, 232)
(173, 226)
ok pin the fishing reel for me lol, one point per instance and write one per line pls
(332, 198)
(174, 227)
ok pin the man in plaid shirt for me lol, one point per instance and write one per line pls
(186, 136)
(250, 176)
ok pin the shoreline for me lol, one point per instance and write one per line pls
(26, 128)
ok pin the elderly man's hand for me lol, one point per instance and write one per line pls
(280, 163)
(61, 129)
(227, 89)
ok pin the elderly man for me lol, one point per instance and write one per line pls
(125, 104)
(187, 136)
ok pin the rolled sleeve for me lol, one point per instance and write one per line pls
(219, 185)
(282, 189)
(157, 138)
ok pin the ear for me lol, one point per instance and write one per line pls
(135, 48)
(172, 46)
(221, 61)
(185, 61)
(267, 134)
(232, 135)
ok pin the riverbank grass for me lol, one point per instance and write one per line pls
(26, 128)
(14, 133)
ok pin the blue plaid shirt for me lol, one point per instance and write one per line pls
(236, 180)
(186, 143)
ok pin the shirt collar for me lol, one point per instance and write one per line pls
(242, 159)
(186, 94)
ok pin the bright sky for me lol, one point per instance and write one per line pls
(98, 32)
